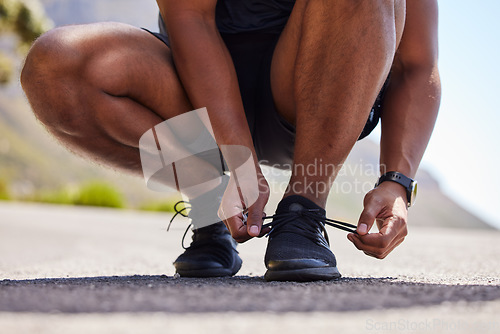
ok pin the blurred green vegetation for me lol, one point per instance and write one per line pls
(59, 196)
(99, 194)
(93, 193)
(6, 68)
(4, 190)
(166, 205)
(25, 19)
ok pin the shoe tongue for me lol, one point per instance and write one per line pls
(298, 203)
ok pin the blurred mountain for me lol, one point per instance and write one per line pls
(30, 159)
(432, 207)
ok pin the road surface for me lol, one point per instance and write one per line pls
(81, 270)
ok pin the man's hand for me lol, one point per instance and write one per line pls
(232, 208)
(387, 205)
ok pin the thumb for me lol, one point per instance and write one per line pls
(254, 222)
(366, 220)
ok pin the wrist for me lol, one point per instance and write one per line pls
(395, 189)
(399, 179)
(403, 168)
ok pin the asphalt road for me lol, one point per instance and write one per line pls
(67, 270)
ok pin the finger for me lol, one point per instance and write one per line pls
(367, 219)
(396, 244)
(390, 230)
(376, 252)
(254, 222)
(237, 229)
(370, 251)
(373, 242)
(380, 240)
(264, 231)
(357, 243)
(383, 254)
(232, 216)
(255, 219)
(231, 204)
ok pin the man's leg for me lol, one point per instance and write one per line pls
(98, 88)
(328, 67)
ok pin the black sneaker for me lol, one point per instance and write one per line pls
(298, 247)
(212, 253)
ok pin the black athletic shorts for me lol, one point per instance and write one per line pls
(273, 136)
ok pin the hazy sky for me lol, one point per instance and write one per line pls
(464, 148)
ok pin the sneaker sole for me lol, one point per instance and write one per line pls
(200, 273)
(211, 272)
(303, 275)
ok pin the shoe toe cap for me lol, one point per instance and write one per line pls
(293, 264)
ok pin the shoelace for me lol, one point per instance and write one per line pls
(314, 214)
(183, 212)
(287, 221)
(279, 220)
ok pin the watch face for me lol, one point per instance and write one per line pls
(413, 192)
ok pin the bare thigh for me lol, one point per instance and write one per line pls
(285, 55)
(99, 87)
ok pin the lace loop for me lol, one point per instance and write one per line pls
(183, 212)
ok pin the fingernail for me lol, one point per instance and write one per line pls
(254, 230)
(349, 236)
(362, 228)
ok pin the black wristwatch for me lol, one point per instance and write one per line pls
(409, 184)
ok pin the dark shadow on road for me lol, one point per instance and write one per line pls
(240, 294)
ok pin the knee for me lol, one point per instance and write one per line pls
(97, 55)
(52, 56)
(52, 60)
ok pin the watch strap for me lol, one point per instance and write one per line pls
(400, 178)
